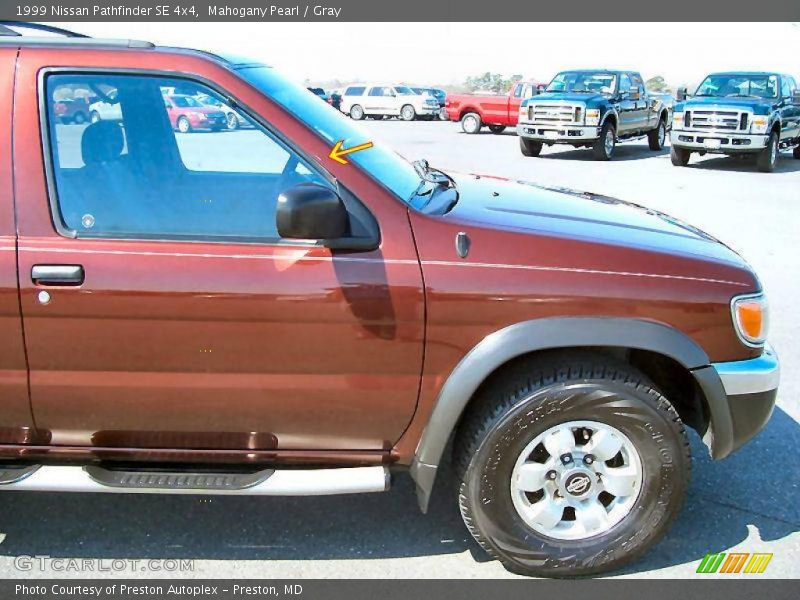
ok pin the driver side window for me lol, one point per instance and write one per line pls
(164, 158)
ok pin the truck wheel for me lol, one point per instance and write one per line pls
(658, 137)
(603, 147)
(570, 465)
(796, 152)
(768, 157)
(356, 112)
(471, 123)
(679, 156)
(79, 118)
(497, 128)
(232, 122)
(529, 147)
(94, 116)
(408, 113)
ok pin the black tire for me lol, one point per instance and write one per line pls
(497, 128)
(471, 123)
(356, 112)
(443, 115)
(768, 157)
(657, 138)
(529, 147)
(79, 118)
(407, 113)
(231, 122)
(796, 152)
(526, 400)
(600, 150)
(679, 156)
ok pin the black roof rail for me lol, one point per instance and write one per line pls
(5, 29)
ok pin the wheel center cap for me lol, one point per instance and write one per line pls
(578, 484)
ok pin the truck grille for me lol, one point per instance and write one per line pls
(545, 114)
(719, 119)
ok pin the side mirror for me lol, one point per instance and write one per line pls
(796, 98)
(309, 211)
(635, 93)
(682, 94)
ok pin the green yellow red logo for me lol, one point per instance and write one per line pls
(735, 562)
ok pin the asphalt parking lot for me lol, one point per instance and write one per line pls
(749, 502)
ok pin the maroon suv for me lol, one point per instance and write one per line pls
(251, 313)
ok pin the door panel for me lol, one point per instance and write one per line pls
(205, 343)
(16, 422)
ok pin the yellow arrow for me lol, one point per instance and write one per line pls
(337, 153)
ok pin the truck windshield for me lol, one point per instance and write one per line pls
(726, 85)
(385, 166)
(584, 82)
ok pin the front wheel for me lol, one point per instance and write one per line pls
(407, 113)
(796, 152)
(529, 147)
(497, 128)
(603, 147)
(232, 122)
(471, 123)
(183, 125)
(768, 157)
(570, 465)
(679, 156)
(658, 136)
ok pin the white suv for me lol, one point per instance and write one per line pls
(376, 101)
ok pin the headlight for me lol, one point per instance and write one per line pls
(677, 120)
(751, 318)
(592, 116)
(759, 124)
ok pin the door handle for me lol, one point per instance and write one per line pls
(57, 274)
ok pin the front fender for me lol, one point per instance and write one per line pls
(522, 338)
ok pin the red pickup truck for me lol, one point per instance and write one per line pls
(496, 112)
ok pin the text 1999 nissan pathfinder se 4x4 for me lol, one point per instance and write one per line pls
(247, 312)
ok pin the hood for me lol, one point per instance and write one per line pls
(757, 105)
(528, 208)
(588, 99)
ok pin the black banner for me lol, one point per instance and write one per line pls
(105, 589)
(404, 10)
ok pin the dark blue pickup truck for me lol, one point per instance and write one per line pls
(592, 108)
(745, 113)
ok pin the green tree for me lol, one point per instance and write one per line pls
(658, 85)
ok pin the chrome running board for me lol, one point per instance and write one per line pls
(293, 482)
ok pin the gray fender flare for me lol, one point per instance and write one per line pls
(515, 340)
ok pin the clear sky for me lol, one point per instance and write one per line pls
(428, 53)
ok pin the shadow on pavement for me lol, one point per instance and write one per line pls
(786, 164)
(724, 499)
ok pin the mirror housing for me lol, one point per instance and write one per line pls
(796, 98)
(682, 94)
(309, 211)
(635, 93)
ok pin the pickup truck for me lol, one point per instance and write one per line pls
(740, 114)
(592, 108)
(495, 111)
(286, 318)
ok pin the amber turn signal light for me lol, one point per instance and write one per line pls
(751, 318)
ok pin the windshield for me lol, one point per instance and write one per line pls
(401, 89)
(725, 85)
(584, 82)
(387, 167)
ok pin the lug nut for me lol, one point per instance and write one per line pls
(566, 459)
(551, 474)
(588, 459)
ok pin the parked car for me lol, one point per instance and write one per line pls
(440, 96)
(233, 120)
(72, 110)
(592, 108)
(495, 111)
(105, 110)
(738, 113)
(187, 113)
(378, 101)
(274, 320)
